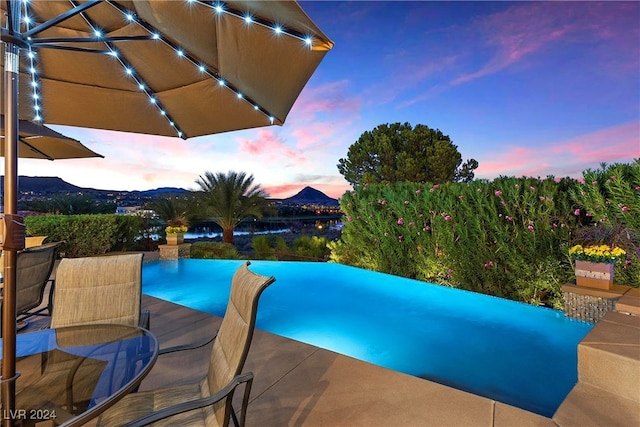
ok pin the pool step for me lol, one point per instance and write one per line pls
(589, 406)
(609, 356)
(630, 302)
(607, 392)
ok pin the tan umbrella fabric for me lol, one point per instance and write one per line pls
(41, 142)
(208, 71)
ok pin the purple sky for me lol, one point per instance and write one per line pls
(525, 88)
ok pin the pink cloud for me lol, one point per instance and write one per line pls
(328, 98)
(528, 28)
(616, 144)
(605, 145)
(269, 146)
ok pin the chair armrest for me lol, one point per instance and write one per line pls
(199, 403)
(145, 319)
(186, 346)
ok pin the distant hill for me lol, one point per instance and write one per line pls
(42, 184)
(311, 196)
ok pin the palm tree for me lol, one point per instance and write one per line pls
(230, 199)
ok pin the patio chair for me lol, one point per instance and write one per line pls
(33, 271)
(105, 289)
(208, 402)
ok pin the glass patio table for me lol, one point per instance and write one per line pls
(70, 375)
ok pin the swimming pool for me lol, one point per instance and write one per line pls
(508, 351)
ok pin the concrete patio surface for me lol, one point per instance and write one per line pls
(297, 384)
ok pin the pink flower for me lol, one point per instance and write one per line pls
(594, 182)
(406, 202)
(588, 214)
(517, 186)
(349, 218)
(370, 215)
(411, 224)
(400, 238)
(498, 193)
(613, 177)
(400, 221)
(624, 208)
(460, 197)
(582, 193)
(447, 218)
(532, 188)
(383, 202)
(638, 188)
(576, 212)
(530, 227)
(436, 186)
(427, 228)
(418, 191)
(503, 203)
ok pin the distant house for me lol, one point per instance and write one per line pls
(136, 211)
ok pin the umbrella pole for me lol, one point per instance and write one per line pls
(9, 246)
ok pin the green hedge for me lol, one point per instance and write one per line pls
(214, 250)
(86, 235)
(508, 237)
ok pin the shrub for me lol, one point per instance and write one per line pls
(86, 235)
(214, 250)
(505, 238)
(314, 248)
(607, 210)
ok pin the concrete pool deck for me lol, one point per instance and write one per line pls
(297, 384)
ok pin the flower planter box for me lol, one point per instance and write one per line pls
(598, 275)
(175, 239)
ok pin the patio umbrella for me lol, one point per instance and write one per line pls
(40, 142)
(174, 68)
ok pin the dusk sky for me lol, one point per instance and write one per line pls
(525, 88)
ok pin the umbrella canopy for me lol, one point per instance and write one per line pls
(174, 68)
(41, 142)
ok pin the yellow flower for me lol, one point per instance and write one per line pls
(180, 229)
(596, 253)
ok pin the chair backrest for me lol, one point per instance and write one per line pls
(233, 340)
(33, 269)
(31, 241)
(105, 289)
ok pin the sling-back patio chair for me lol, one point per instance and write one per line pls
(104, 289)
(208, 402)
(33, 271)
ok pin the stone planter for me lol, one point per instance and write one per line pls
(598, 275)
(175, 239)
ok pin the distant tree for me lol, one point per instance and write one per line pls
(71, 204)
(397, 152)
(173, 210)
(228, 199)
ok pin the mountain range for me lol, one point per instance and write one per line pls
(53, 185)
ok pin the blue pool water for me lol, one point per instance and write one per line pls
(508, 351)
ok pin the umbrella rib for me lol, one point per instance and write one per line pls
(34, 149)
(62, 17)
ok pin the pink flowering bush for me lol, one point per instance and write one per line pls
(508, 237)
(607, 206)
